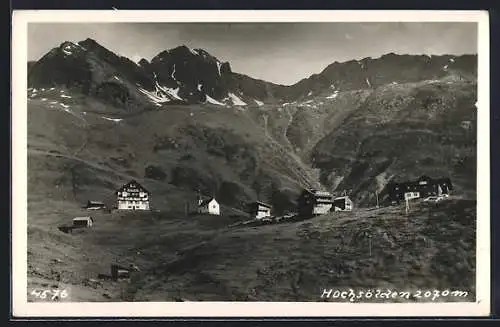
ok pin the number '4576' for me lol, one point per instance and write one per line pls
(52, 294)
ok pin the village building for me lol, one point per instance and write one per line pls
(259, 210)
(314, 202)
(133, 196)
(420, 188)
(342, 203)
(208, 206)
(95, 205)
(83, 222)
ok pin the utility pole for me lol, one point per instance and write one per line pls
(368, 235)
(370, 243)
(376, 195)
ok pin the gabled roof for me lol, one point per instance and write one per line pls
(322, 193)
(316, 192)
(262, 204)
(130, 183)
(206, 201)
(95, 202)
(83, 218)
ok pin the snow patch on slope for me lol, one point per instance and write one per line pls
(67, 49)
(169, 91)
(161, 94)
(213, 101)
(218, 67)
(173, 73)
(116, 120)
(154, 97)
(194, 51)
(236, 101)
(333, 96)
(259, 103)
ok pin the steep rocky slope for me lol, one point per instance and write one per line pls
(402, 132)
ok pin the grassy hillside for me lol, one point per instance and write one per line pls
(202, 258)
(217, 150)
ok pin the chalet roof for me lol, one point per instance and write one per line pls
(130, 183)
(322, 193)
(82, 218)
(262, 204)
(317, 192)
(206, 202)
(95, 202)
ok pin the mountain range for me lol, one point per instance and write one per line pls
(184, 123)
(185, 119)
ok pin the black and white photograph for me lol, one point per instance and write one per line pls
(251, 162)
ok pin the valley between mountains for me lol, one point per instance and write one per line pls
(185, 122)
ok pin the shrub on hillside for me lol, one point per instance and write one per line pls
(155, 172)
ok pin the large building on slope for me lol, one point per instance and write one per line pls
(423, 187)
(133, 196)
(313, 202)
(259, 210)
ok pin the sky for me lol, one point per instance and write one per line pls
(282, 53)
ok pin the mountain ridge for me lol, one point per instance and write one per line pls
(202, 78)
(97, 120)
(295, 133)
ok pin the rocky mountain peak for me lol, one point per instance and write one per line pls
(193, 75)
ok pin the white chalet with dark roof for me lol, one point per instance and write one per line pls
(208, 206)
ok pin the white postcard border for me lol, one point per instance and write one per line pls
(20, 306)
